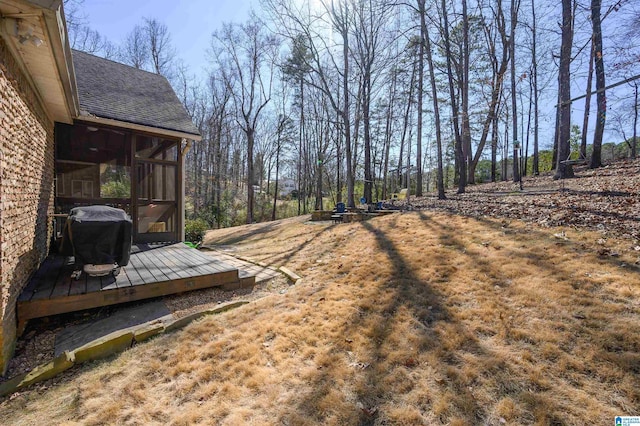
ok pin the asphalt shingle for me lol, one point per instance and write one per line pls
(108, 89)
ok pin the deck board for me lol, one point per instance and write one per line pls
(186, 266)
(78, 286)
(137, 263)
(168, 266)
(152, 271)
(156, 269)
(63, 282)
(198, 261)
(174, 266)
(132, 275)
(46, 279)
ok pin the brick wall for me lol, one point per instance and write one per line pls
(26, 191)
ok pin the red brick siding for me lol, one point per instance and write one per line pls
(26, 191)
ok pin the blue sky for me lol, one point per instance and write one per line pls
(190, 22)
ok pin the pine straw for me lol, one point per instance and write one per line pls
(409, 319)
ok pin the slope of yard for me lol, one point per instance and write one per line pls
(409, 319)
(605, 199)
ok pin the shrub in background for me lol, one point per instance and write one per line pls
(194, 230)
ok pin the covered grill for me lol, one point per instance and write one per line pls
(99, 238)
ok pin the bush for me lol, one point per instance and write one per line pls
(116, 189)
(194, 230)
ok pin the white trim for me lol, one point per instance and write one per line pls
(140, 127)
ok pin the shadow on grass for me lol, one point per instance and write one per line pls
(609, 346)
(287, 253)
(457, 351)
(430, 316)
(254, 230)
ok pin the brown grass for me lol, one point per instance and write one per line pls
(409, 319)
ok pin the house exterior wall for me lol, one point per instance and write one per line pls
(26, 191)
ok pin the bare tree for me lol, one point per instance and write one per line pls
(158, 42)
(84, 38)
(587, 104)
(421, 9)
(455, 110)
(564, 169)
(76, 21)
(436, 106)
(494, 29)
(636, 106)
(536, 92)
(329, 62)
(135, 51)
(369, 27)
(515, 6)
(295, 68)
(245, 55)
(601, 98)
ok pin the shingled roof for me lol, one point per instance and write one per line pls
(116, 91)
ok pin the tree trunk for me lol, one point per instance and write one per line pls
(467, 153)
(278, 146)
(587, 104)
(405, 127)
(499, 70)
(460, 158)
(514, 106)
(423, 35)
(601, 97)
(318, 205)
(345, 119)
(564, 170)
(300, 143)
(366, 103)
(526, 150)
(338, 155)
(387, 135)
(250, 195)
(536, 95)
(505, 149)
(436, 114)
(218, 177)
(634, 144)
(556, 133)
(494, 148)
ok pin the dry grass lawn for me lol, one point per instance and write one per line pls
(408, 319)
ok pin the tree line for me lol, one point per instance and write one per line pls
(357, 99)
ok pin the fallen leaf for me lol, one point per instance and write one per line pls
(370, 411)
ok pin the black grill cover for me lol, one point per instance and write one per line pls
(97, 235)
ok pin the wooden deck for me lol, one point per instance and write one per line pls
(153, 271)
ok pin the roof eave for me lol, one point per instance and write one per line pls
(57, 28)
(47, 64)
(139, 127)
